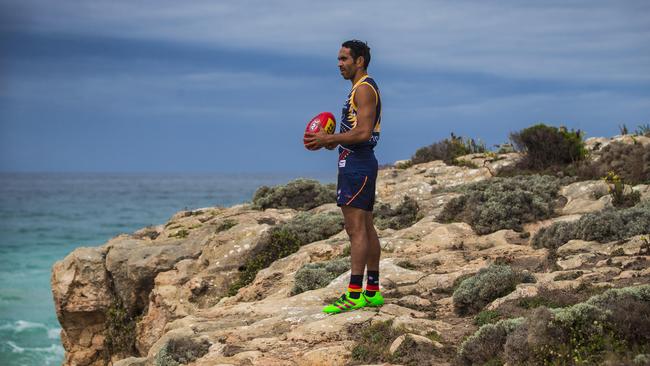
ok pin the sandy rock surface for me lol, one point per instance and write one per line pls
(173, 278)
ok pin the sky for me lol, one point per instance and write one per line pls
(228, 86)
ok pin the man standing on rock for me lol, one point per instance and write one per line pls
(357, 137)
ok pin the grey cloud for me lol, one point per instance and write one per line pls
(578, 40)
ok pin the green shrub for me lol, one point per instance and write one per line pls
(300, 194)
(610, 325)
(613, 325)
(623, 129)
(630, 161)
(486, 345)
(616, 187)
(486, 317)
(487, 285)
(503, 203)
(603, 227)
(404, 164)
(402, 216)
(373, 341)
(317, 275)
(119, 331)
(545, 146)
(643, 130)
(182, 233)
(463, 163)
(309, 228)
(505, 148)
(181, 351)
(283, 240)
(448, 149)
(412, 353)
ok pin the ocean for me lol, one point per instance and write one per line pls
(45, 216)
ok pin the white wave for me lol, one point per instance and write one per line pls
(55, 349)
(54, 333)
(15, 348)
(22, 325)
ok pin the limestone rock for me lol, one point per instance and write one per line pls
(522, 291)
(325, 356)
(420, 342)
(175, 277)
(80, 287)
(585, 197)
(575, 261)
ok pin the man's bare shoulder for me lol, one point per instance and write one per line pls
(365, 94)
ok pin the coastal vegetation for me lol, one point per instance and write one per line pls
(503, 203)
(312, 276)
(225, 225)
(300, 194)
(285, 239)
(448, 149)
(545, 146)
(610, 326)
(603, 226)
(403, 215)
(488, 284)
(181, 351)
(119, 333)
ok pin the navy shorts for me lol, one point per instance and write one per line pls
(356, 183)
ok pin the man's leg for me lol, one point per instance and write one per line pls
(355, 226)
(373, 293)
(374, 249)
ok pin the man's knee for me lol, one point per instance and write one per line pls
(355, 222)
(355, 229)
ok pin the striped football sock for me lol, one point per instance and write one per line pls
(356, 286)
(372, 285)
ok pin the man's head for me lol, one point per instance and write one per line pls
(354, 56)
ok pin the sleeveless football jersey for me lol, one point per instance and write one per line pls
(349, 119)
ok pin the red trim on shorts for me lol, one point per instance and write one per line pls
(355, 196)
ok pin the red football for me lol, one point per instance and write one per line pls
(323, 121)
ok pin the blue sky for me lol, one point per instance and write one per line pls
(228, 86)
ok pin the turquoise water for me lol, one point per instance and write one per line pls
(44, 216)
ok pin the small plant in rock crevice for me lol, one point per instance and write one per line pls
(616, 188)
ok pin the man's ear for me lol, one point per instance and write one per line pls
(360, 61)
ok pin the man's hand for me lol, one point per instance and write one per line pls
(317, 140)
(331, 146)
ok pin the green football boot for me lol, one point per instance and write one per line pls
(374, 301)
(345, 303)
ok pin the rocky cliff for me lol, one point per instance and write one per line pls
(161, 295)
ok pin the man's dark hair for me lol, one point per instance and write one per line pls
(358, 48)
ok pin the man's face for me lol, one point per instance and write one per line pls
(347, 65)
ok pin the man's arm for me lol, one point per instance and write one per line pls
(366, 101)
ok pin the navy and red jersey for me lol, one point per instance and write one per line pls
(357, 174)
(349, 120)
